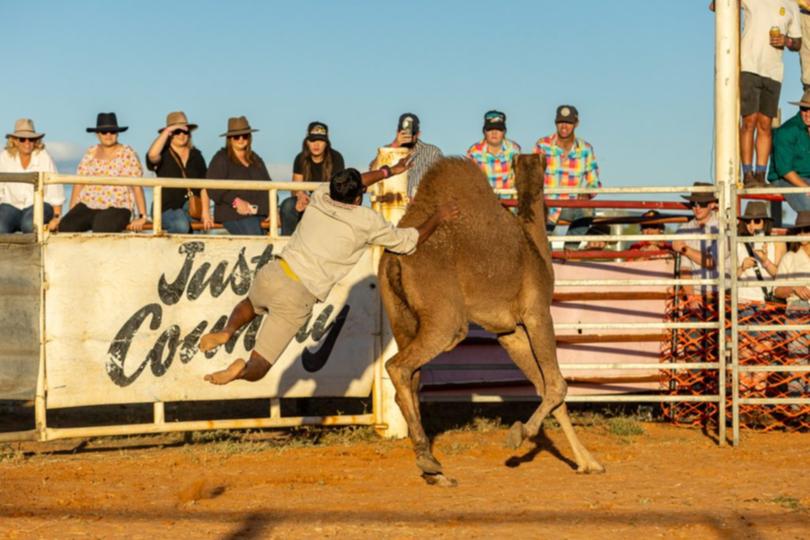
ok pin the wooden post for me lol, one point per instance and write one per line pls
(388, 417)
(157, 210)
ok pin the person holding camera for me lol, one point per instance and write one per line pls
(172, 155)
(423, 155)
(494, 153)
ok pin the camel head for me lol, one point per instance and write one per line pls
(530, 170)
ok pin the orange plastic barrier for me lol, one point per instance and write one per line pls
(756, 348)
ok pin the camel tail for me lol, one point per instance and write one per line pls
(402, 317)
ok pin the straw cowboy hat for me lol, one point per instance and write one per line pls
(802, 221)
(756, 210)
(238, 125)
(107, 123)
(804, 102)
(701, 197)
(178, 117)
(24, 129)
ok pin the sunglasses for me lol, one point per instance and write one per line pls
(246, 137)
(180, 132)
(26, 139)
(804, 109)
(108, 133)
(756, 221)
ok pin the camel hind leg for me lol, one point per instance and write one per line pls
(543, 371)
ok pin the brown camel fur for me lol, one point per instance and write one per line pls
(489, 267)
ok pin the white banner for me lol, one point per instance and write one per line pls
(124, 314)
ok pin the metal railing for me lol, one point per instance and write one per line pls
(726, 280)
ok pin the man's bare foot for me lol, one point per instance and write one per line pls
(212, 340)
(228, 374)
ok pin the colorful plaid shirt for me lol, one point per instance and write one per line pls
(572, 169)
(497, 167)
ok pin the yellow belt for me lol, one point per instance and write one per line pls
(287, 270)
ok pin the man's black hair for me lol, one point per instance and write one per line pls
(346, 186)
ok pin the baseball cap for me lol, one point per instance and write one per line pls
(567, 113)
(494, 120)
(408, 119)
(317, 131)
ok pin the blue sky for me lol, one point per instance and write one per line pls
(640, 72)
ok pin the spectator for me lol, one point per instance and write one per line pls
(790, 165)
(570, 163)
(177, 159)
(699, 256)
(756, 261)
(495, 152)
(796, 265)
(761, 75)
(759, 259)
(652, 224)
(804, 52)
(24, 153)
(409, 135)
(106, 208)
(316, 162)
(240, 211)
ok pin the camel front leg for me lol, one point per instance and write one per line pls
(402, 376)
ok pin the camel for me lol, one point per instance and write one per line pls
(489, 267)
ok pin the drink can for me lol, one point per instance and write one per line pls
(775, 31)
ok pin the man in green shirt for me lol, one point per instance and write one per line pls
(790, 159)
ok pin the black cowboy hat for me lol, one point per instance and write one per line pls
(107, 123)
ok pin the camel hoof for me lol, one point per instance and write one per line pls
(428, 465)
(516, 436)
(439, 480)
(591, 468)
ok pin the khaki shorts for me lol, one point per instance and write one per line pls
(287, 305)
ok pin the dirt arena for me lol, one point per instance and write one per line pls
(661, 481)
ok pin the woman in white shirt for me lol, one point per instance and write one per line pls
(25, 153)
(758, 261)
(796, 265)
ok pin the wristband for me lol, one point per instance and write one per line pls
(683, 249)
(386, 170)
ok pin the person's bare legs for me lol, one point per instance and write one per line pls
(764, 139)
(241, 315)
(747, 138)
(252, 370)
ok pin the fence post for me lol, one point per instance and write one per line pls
(157, 209)
(735, 336)
(40, 421)
(726, 160)
(386, 410)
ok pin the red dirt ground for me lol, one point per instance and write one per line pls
(667, 482)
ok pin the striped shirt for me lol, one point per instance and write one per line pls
(424, 155)
(575, 168)
(497, 167)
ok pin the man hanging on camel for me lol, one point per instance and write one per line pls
(331, 237)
